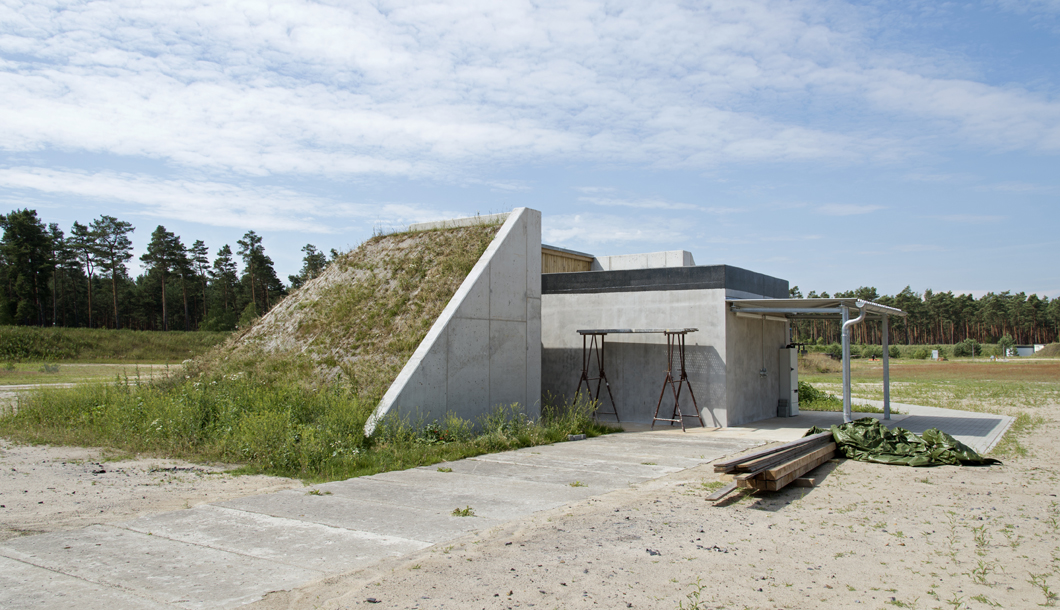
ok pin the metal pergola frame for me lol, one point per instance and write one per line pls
(786, 310)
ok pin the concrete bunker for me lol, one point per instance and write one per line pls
(510, 333)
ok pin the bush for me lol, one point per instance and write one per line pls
(834, 349)
(921, 354)
(894, 352)
(30, 343)
(968, 347)
(1004, 344)
(872, 351)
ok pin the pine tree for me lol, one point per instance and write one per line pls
(113, 249)
(26, 250)
(162, 257)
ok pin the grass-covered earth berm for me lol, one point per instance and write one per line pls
(291, 394)
(357, 324)
(101, 345)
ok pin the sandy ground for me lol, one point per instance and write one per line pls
(870, 536)
(44, 488)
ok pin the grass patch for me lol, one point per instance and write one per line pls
(1009, 445)
(812, 399)
(33, 344)
(289, 430)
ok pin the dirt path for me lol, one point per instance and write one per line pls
(871, 536)
(44, 488)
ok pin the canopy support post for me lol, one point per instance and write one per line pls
(886, 370)
(847, 323)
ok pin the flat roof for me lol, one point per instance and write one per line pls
(819, 309)
(664, 278)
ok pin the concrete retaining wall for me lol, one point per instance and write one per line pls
(485, 348)
(649, 260)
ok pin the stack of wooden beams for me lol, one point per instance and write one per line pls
(773, 468)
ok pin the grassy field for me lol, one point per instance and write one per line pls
(1022, 388)
(26, 373)
(99, 345)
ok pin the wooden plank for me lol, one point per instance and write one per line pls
(721, 493)
(780, 483)
(763, 485)
(768, 461)
(726, 465)
(783, 481)
(783, 470)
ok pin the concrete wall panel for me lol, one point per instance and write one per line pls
(752, 347)
(508, 284)
(476, 303)
(507, 370)
(636, 363)
(533, 354)
(424, 393)
(469, 360)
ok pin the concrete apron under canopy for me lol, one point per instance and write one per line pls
(829, 309)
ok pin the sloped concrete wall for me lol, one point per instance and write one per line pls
(485, 348)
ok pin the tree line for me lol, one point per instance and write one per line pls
(943, 318)
(82, 278)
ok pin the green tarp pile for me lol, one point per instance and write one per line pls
(867, 440)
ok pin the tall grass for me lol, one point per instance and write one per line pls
(30, 343)
(282, 430)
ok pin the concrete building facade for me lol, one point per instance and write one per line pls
(509, 336)
(731, 361)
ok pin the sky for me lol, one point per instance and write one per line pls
(832, 144)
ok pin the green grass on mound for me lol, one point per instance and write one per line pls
(283, 430)
(358, 324)
(30, 343)
(1051, 350)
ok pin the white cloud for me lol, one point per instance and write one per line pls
(642, 204)
(585, 231)
(433, 89)
(919, 248)
(1015, 187)
(214, 203)
(971, 218)
(847, 209)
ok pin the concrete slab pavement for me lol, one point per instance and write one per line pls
(230, 553)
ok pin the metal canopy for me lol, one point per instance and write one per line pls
(784, 310)
(816, 309)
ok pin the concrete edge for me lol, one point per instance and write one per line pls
(910, 410)
(440, 324)
(468, 221)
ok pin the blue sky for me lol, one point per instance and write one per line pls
(833, 144)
